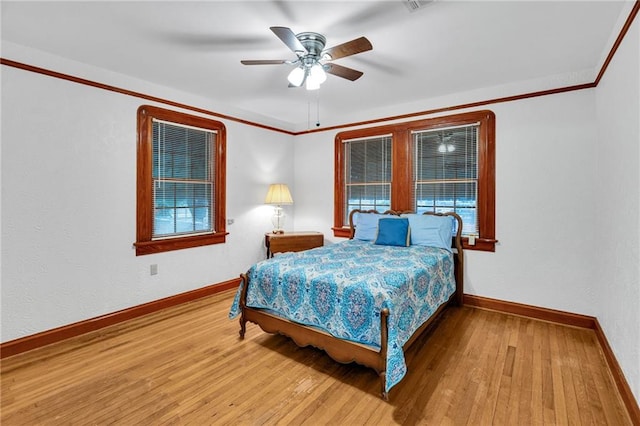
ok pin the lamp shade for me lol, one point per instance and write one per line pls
(318, 74)
(312, 84)
(296, 76)
(316, 77)
(278, 194)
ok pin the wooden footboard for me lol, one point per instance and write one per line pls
(342, 351)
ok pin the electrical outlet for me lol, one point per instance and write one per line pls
(472, 240)
(154, 269)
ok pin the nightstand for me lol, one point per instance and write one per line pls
(292, 241)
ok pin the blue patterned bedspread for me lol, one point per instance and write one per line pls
(342, 288)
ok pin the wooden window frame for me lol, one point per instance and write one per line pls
(402, 170)
(145, 244)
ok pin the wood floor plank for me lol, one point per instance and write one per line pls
(537, 373)
(567, 369)
(482, 374)
(496, 368)
(187, 365)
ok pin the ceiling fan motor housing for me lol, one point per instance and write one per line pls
(313, 42)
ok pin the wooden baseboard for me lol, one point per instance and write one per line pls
(530, 311)
(571, 319)
(48, 337)
(618, 376)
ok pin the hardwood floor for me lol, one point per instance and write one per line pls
(185, 365)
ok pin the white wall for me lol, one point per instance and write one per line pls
(69, 197)
(617, 206)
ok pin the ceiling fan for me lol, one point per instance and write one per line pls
(313, 60)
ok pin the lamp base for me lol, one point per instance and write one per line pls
(278, 220)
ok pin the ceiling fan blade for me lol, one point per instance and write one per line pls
(289, 38)
(344, 72)
(349, 48)
(264, 62)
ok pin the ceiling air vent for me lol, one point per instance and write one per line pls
(414, 5)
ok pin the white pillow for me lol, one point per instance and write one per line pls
(432, 231)
(366, 226)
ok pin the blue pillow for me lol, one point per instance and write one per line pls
(393, 232)
(432, 231)
(366, 226)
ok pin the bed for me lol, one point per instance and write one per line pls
(364, 300)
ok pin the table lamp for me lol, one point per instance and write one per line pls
(278, 196)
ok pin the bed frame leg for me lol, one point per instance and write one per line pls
(243, 327)
(243, 303)
(383, 382)
(384, 335)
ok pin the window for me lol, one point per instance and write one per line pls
(445, 173)
(442, 164)
(367, 174)
(181, 181)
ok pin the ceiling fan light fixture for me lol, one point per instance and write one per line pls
(316, 76)
(296, 76)
(317, 73)
(444, 148)
(312, 84)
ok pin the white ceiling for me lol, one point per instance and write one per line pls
(443, 48)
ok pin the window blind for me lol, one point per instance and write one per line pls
(445, 173)
(183, 180)
(367, 174)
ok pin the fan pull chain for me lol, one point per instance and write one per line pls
(318, 109)
(309, 94)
